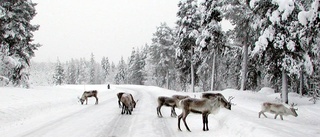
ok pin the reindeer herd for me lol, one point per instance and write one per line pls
(209, 103)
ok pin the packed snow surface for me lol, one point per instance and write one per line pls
(54, 111)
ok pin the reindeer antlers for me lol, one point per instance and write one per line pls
(294, 104)
(229, 100)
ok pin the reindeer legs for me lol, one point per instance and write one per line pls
(183, 115)
(159, 111)
(179, 118)
(173, 112)
(96, 100)
(119, 103)
(262, 114)
(275, 117)
(205, 121)
(123, 109)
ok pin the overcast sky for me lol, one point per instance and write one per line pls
(110, 28)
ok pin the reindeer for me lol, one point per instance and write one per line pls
(87, 94)
(169, 102)
(226, 104)
(202, 106)
(119, 97)
(127, 103)
(278, 109)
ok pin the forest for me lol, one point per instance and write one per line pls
(274, 43)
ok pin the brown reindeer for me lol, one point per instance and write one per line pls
(202, 106)
(169, 102)
(119, 97)
(87, 94)
(278, 109)
(127, 103)
(226, 104)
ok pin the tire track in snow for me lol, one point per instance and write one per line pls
(120, 125)
(161, 123)
(130, 125)
(47, 127)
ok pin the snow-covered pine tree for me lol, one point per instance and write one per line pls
(92, 70)
(105, 67)
(187, 32)
(71, 77)
(99, 74)
(151, 79)
(132, 67)
(82, 72)
(111, 77)
(41, 73)
(229, 66)
(136, 74)
(278, 44)
(16, 33)
(246, 27)
(121, 75)
(309, 39)
(143, 54)
(211, 42)
(59, 75)
(162, 57)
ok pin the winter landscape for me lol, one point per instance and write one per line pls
(55, 111)
(255, 51)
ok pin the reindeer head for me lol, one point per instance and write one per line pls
(135, 103)
(229, 104)
(130, 107)
(293, 110)
(81, 100)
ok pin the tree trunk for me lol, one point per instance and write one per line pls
(167, 76)
(284, 87)
(301, 83)
(213, 71)
(192, 71)
(244, 67)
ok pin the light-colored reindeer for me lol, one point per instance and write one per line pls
(169, 102)
(127, 103)
(278, 109)
(202, 106)
(87, 94)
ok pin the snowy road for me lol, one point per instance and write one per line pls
(83, 122)
(102, 120)
(55, 112)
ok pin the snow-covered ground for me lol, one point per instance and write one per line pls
(55, 111)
